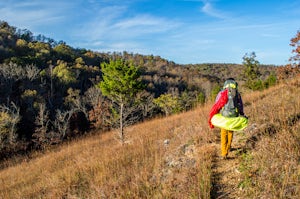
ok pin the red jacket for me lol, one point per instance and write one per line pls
(221, 100)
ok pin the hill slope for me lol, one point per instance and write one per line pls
(175, 157)
(47, 84)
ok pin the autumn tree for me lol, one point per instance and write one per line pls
(99, 108)
(7, 40)
(121, 83)
(295, 42)
(293, 69)
(168, 103)
(64, 52)
(64, 73)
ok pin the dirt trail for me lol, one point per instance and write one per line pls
(225, 173)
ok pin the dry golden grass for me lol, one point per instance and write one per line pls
(169, 157)
(273, 169)
(100, 167)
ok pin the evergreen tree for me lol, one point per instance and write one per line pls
(251, 71)
(121, 82)
(251, 64)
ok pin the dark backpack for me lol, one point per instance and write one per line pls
(231, 107)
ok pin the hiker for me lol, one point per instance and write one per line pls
(227, 113)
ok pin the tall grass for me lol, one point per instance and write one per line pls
(273, 171)
(100, 167)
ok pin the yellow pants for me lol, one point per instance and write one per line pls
(226, 139)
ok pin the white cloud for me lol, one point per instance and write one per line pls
(210, 10)
(144, 24)
(31, 14)
(141, 20)
(112, 25)
(100, 24)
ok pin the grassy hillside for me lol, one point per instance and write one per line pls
(174, 157)
(47, 87)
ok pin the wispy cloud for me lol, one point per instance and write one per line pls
(141, 24)
(136, 21)
(209, 9)
(113, 29)
(31, 14)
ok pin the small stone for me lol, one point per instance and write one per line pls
(167, 142)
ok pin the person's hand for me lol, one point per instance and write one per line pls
(245, 116)
(210, 124)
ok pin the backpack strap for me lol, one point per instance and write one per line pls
(230, 84)
(231, 107)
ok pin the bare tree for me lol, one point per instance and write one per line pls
(42, 122)
(31, 72)
(9, 118)
(9, 74)
(76, 102)
(12, 71)
(146, 103)
(93, 96)
(62, 122)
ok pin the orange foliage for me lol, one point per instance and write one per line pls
(295, 42)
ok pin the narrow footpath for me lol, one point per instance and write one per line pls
(225, 173)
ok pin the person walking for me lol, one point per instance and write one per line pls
(227, 113)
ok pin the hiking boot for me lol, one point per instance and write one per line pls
(224, 157)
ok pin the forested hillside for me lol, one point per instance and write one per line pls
(49, 90)
(174, 157)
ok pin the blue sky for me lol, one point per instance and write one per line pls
(183, 31)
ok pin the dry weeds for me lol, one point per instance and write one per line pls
(163, 158)
(175, 157)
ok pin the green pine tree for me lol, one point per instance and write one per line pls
(121, 82)
(251, 71)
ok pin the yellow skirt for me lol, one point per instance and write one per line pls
(229, 123)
